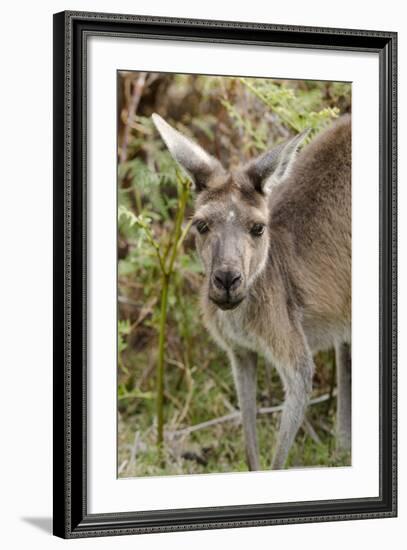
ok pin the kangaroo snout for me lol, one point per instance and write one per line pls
(227, 279)
(227, 289)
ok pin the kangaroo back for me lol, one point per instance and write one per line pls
(312, 210)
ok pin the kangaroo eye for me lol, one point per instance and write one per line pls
(257, 229)
(202, 227)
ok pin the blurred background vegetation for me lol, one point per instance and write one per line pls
(234, 119)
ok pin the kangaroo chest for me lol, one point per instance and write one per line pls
(238, 328)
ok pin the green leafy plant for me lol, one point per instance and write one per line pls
(166, 256)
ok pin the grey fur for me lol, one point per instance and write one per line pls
(274, 166)
(291, 294)
(198, 164)
(244, 368)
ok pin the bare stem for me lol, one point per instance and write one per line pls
(182, 202)
(152, 241)
(166, 273)
(138, 87)
(184, 234)
(160, 363)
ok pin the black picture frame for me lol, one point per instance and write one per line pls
(71, 30)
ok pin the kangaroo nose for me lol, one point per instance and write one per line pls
(226, 279)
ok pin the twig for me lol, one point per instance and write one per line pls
(217, 379)
(133, 452)
(309, 429)
(268, 368)
(184, 234)
(145, 375)
(173, 399)
(135, 100)
(236, 416)
(228, 404)
(146, 310)
(128, 302)
(324, 426)
(122, 466)
(139, 221)
(178, 232)
(188, 399)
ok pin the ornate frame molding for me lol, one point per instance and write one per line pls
(71, 30)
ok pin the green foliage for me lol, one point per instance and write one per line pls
(233, 119)
(297, 109)
(124, 328)
(294, 109)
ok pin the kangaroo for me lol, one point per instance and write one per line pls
(274, 237)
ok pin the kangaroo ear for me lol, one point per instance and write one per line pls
(274, 166)
(198, 164)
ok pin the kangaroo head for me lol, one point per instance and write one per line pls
(231, 212)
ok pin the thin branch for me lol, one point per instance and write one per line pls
(122, 466)
(236, 416)
(134, 103)
(309, 429)
(184, 234)
(133, 452)
(138, 220)
(268, 368)
(128, 302)
(177, 234)
(190, 384)
(153, 243)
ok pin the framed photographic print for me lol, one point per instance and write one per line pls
(224, 274)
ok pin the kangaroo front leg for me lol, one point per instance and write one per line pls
(344, 414)
(244, 367)
(297, 380)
